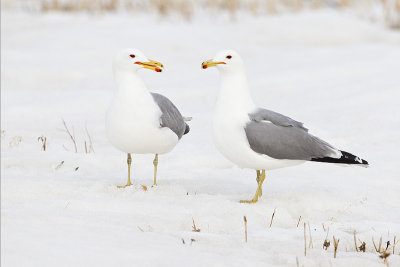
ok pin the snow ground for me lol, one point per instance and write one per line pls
(337, 74)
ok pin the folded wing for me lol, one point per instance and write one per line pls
(281, 137)
(171, 117)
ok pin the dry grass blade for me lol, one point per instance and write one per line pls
(392, 247)
(335, 244)
(272, 218)
(310, 245)
(195, 229)
(72, 136)
(245, 228)
(377, 249)
(355, 241)
(298, 221)
(91, 149)
(373, 242)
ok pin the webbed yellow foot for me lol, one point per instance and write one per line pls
(260, 180)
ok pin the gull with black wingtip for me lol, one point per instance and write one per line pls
(261, 139)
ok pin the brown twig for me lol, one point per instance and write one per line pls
(272, 218)
(335, 244)
(194, 227)
(310, 245)
(245, 228)
(298, 221)
(377, 249)
(72, 136)
(373, 242)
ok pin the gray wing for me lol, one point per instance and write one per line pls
(170, 117)
(281, 137)
(276, 118)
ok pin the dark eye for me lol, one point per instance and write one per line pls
(228, 56)
(132, 55)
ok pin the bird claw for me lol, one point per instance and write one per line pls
(249, 201)
(123, 186)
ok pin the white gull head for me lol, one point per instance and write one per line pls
(226, 61)
(131, 60)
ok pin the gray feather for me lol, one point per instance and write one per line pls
(171, 117)
(261, 114)
(280, 137)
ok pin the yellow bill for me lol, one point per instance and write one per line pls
(210, 63)
(151, 65)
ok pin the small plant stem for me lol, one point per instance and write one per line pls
(298, 221)
(335, 244)
(245, 228)
(355, 241)
(311, 243)
(70, 135)
(272, 218)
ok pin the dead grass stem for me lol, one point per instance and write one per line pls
(71, 135)
(272, 218)
(245, 228)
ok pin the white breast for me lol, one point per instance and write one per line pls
(133, 124)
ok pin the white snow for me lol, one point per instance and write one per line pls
(338, 75)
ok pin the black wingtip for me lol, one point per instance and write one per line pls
(187, 129)
(346, 158)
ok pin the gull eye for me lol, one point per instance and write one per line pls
(228, 56)
(132, 55)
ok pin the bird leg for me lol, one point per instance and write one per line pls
(129, 161)
(258, 180)
(258, 193)
(155, 163)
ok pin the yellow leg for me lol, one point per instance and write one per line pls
(155, 163)
(258, 180)
(129, 161)
(258, 193)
